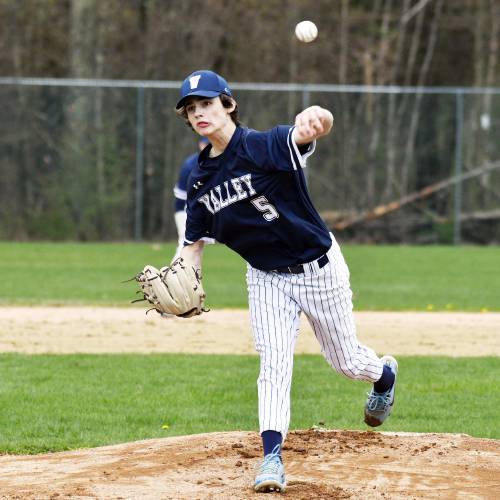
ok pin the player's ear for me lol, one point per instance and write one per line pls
(230, 104)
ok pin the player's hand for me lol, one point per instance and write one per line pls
(312, 123)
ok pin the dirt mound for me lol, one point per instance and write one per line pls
(320, 464)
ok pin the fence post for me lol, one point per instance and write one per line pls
(459, 125)
(139, 166)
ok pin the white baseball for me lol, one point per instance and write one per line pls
(306, 31)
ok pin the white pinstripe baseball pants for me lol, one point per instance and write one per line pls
(276, 301)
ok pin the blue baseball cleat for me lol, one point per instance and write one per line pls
(379, 404)
(271, 476)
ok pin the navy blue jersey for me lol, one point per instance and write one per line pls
(253, 198)
(180, 188)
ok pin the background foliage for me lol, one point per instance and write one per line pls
(68, 154)
(408, 42)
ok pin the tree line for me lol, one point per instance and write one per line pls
(386, 42)
(67, 155)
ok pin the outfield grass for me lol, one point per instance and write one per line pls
(92, 273)
(414, 278)
(445, 278)
(59, 402)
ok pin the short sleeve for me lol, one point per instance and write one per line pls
(199, 221)
(276, 149)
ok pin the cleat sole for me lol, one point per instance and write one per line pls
(269, 487)
(372, 421)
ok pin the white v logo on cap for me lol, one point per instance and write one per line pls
(193, 81)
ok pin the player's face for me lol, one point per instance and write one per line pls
(207, 116)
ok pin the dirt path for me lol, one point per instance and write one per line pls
(320, 464)
(95, 330)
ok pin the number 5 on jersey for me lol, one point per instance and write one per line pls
(262, 204)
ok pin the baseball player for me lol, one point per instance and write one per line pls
(180, 193)
(248, 191)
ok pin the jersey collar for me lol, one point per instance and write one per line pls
(204, 159)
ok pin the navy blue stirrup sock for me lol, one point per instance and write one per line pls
(270, 439)
(386, 381)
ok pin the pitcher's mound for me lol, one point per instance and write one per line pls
(320, 464)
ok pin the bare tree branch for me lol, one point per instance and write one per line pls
(407, 16)
(386, 208)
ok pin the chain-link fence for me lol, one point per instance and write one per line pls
(97, 160)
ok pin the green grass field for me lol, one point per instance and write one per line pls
(58, 402)
(382, 277)
(53, 402)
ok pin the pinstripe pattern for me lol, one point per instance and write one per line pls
(276, 301)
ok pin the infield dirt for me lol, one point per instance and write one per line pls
(320, 464)
(99, 329)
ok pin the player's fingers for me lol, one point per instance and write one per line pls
(301, 120)
(314, 125)
(324, 123)
(305, 132)
(317, 124)
(302, 125)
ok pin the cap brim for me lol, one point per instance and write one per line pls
(200, 93)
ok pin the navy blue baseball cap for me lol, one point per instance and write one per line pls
(203, 83)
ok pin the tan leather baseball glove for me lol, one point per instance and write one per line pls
(173, 290)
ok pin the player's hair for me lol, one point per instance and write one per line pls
(226, 101)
